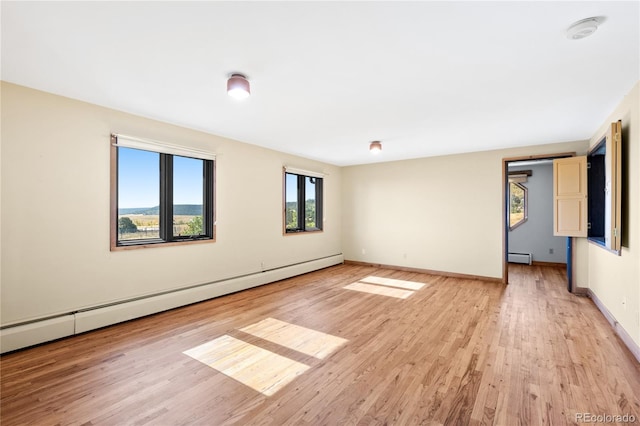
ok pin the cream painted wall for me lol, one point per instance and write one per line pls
(438, 213)
(55, 210)
(616, 279)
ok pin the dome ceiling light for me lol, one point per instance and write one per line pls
(238, 86)
(375, 147)
(583, 28)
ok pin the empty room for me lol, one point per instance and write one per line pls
(319, 213)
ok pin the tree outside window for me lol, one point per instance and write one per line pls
(303, 203)
(518, 198)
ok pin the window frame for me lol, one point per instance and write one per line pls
(525, 208)
(301, 202)
(165, 175)
(596, 193)
(604, 190)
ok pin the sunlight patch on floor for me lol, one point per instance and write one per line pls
(390, 287)
(305, 340)
(258, 368)
(380, 290)
(409, 285)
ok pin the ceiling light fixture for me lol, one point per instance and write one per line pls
(238, 86)
(375, 147)
(583, 28)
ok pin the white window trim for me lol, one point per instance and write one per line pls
(297, 171)
(125, 141)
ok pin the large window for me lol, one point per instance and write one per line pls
(303, 202)
(160, 193)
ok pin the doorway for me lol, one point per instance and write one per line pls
(527, 213)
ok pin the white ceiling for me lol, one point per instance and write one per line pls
(425, 78)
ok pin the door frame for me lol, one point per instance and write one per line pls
(505, 203)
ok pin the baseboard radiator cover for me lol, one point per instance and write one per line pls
(520, 258)
(21, 336)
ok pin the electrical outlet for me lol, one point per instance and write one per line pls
(624, 302)
(550, 251)
(404, 255)
(364, 251)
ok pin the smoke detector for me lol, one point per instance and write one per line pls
(583, 28)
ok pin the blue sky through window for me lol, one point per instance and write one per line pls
(187, 180)
(292, 188)
(139, 181)
(310, 189)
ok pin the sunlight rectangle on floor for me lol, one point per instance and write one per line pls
(409, 285)
(258, 368)
(301, 339)
(380, 290)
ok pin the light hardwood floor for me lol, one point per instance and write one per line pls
(309, 351)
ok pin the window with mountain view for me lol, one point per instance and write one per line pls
(138, 194)
(161, 197)
(303, 203)
(188, 196)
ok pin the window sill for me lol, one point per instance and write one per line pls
(314, 231)
(601, 243)
(160, 243)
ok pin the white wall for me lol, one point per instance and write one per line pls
(535, 236)
(55, 210)
(438, 213)
(615, 280)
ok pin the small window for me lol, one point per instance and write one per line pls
(160, 196)
(604, 182)
(518, 199)
(587, 192)
(303, 203)
(596, 190)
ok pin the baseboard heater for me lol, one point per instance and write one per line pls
(520, 258)
(39, 331)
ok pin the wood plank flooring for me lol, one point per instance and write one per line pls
(454, 351)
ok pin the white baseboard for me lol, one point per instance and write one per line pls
(21, 336)
(620, 331)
